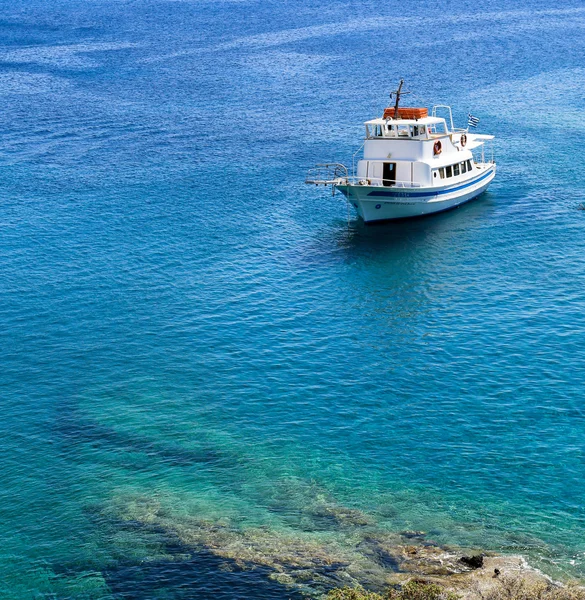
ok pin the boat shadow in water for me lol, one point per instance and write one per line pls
(405, 232)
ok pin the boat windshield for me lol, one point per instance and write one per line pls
(396, 129)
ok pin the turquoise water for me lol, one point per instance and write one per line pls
(201, 355)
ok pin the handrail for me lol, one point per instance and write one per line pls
(434, 113)
(336, 166)
(354, 155)
(379, 182)
(479, 153)
(324, 175)
(326, 172)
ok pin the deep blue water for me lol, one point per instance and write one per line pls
(197, 347)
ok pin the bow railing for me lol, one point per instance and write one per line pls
(337, 174)
(328, 174)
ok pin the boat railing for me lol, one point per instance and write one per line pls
(483, 157)
(327, 174)
(447, 109)
(379, 182)
(337, 174)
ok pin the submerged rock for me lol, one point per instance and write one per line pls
(342, 516)
(413, 534)
(382, 552)
(430, 560)
(310, 562)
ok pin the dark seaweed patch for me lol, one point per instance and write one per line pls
(77, 429)
(184, 572)
(201, 576)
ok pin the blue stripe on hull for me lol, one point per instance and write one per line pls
(384, 193)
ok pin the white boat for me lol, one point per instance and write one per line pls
(413, 164)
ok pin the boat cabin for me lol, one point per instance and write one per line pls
(413, 150)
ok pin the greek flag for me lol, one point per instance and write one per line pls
(472, 121)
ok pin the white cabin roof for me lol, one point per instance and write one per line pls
(421, 121)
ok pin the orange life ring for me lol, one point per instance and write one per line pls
(463, 140)
(438, 147)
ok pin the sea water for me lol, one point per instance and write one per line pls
(195, 345)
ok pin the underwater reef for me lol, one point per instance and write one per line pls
(284, 563)
(177, 520)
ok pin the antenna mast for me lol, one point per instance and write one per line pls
(397, 94)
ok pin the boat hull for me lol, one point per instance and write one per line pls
(374, 204)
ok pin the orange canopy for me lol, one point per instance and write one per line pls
(406, 113)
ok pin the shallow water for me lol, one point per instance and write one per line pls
(197, 349)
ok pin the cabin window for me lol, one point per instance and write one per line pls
(455, 170)
(449, 171)
(442, 172)
(404, 130)
(435, 174)
(463, 167)
(469, 165)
